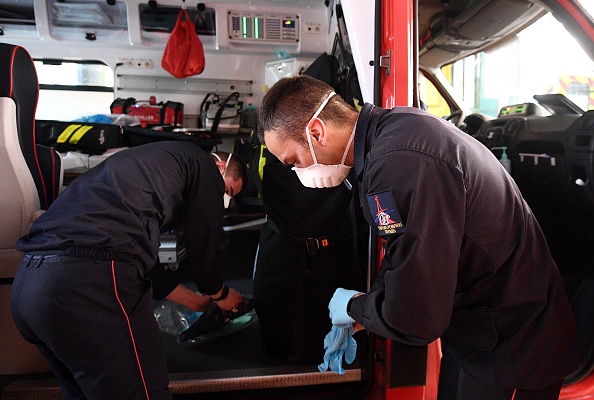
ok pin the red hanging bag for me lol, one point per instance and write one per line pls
(183, 55)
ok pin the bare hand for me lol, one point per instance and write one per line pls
(231, 301)
(184, 296)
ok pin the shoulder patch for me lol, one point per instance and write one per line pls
(384, 213)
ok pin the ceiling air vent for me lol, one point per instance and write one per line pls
(265, 28)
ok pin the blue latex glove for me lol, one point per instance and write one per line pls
(338, 342)
(338, 307)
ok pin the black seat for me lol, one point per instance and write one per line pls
(24, 192)
(19, 82)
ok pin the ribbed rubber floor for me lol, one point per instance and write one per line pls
(211, 381)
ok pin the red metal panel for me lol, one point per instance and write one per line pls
(582, 390)
(397, 36)
(396, 89)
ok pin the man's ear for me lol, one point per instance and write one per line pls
(317, 129)
(220, 165)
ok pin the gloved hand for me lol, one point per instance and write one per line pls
(338, 342)
(214, 318)
(338, 307)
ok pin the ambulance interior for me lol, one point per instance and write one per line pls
(89, 53)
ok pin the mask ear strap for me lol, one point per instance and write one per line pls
(217, 156)
(346, 150)
(308, 134)
(227, 164)
(321, 107)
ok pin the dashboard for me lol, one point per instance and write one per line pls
(551, 151)
(550, 146)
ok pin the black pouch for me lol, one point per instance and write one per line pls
(86, 137)
(136, 136)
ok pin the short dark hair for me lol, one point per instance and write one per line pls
(291, 102)
(236, 168)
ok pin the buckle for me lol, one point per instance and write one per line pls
(314, 245)
(35, 261)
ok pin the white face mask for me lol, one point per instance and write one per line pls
(320, 175)
(226, 197)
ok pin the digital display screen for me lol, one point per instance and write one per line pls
(288, 23)
(518, 109)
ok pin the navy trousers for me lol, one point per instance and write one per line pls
(93, 321)
(456, 384)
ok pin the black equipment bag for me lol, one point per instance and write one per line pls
(87, 137)
(221, 116)
(348, 80)
(136, 136)
(315, 240)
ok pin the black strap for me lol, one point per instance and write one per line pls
(223, 296)
(353, 207)
(362, 132)
(219, 114)
(313, 245)
(360, 136)
(204, 107)
(255, 171)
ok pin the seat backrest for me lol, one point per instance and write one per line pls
(18, 81)
(18, 195)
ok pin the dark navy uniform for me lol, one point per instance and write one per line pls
(82, 293)
(465, 259)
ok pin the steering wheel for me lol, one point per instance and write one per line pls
(454, 117)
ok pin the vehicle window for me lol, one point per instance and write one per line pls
(544, 58)
(431, 98)
(71, 90)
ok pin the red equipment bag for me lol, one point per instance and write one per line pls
(150, 113)
(184, 54)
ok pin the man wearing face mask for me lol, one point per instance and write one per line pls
(465, 259)
(83, 292)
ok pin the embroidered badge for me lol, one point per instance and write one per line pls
(384, 213)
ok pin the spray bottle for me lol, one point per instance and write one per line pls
(504, 160)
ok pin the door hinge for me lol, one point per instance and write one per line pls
(384, 62)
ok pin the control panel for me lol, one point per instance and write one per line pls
(268, 28)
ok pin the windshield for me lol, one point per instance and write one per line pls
(544, 58)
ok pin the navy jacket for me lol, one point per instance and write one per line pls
(465, 259)
(118, 209)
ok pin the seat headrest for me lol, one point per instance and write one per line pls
(18, 81)
(19, 77)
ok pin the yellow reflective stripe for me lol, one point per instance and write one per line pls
(65, 135)
(73, 133)
(80, 132)
(261, 162)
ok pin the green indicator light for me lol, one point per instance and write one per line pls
(244, 26)
(256, 23)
